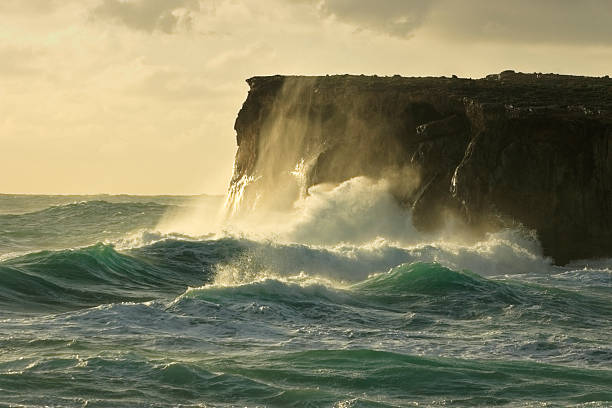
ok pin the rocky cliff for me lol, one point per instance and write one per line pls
(508, 149)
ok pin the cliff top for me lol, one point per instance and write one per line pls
(537, 91)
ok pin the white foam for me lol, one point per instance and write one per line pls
(356, 211)
(348, 231)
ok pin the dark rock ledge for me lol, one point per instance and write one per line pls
(511, 148)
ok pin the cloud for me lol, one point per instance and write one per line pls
(37, 7)
(166, 16)
(395, 17)
(566, 22)
(171, 85)
(175, 85)
(27, 7)
(18, 61)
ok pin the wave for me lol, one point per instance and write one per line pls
(506, 253)
(427, 291)
(352, 377)
(395, 377)
(76, 224)
(86, 209)
(26, 203)
(162, 266)
(427, 279)
(233, 321)
(71, 279)
(361, 311)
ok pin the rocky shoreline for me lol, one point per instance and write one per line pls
(507, 149)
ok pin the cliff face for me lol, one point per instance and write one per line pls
(507, 149)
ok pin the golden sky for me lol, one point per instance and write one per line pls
(140, 96)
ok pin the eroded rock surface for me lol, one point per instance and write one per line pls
(511, 148)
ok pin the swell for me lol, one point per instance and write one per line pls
(241, 268)
(424, 288)
(398, 378)
(76, 224)
(356, 378)
(51, 281)
(421, 332)
(83, 212)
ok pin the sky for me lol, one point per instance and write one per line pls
(140, 96)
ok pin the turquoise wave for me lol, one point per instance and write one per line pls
(428, 279)
(428, 290)
(236, 322)
(53, 281)
(79, 278)
(421, 333)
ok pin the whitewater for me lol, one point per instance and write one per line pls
(160, 301)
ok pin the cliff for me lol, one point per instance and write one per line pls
(508, 149)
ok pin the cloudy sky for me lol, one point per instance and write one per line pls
(140, 96)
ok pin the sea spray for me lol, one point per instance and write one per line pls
(284, 147)
(383, 316)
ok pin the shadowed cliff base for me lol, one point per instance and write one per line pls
(511, 149)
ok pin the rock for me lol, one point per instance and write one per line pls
(510, 149)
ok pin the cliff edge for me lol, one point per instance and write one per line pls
(505, 150)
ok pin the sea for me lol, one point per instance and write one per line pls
(135, 301)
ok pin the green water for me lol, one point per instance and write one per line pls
(86, 320)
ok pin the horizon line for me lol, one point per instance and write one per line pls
(113, 194)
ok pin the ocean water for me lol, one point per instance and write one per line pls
(101, 307)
